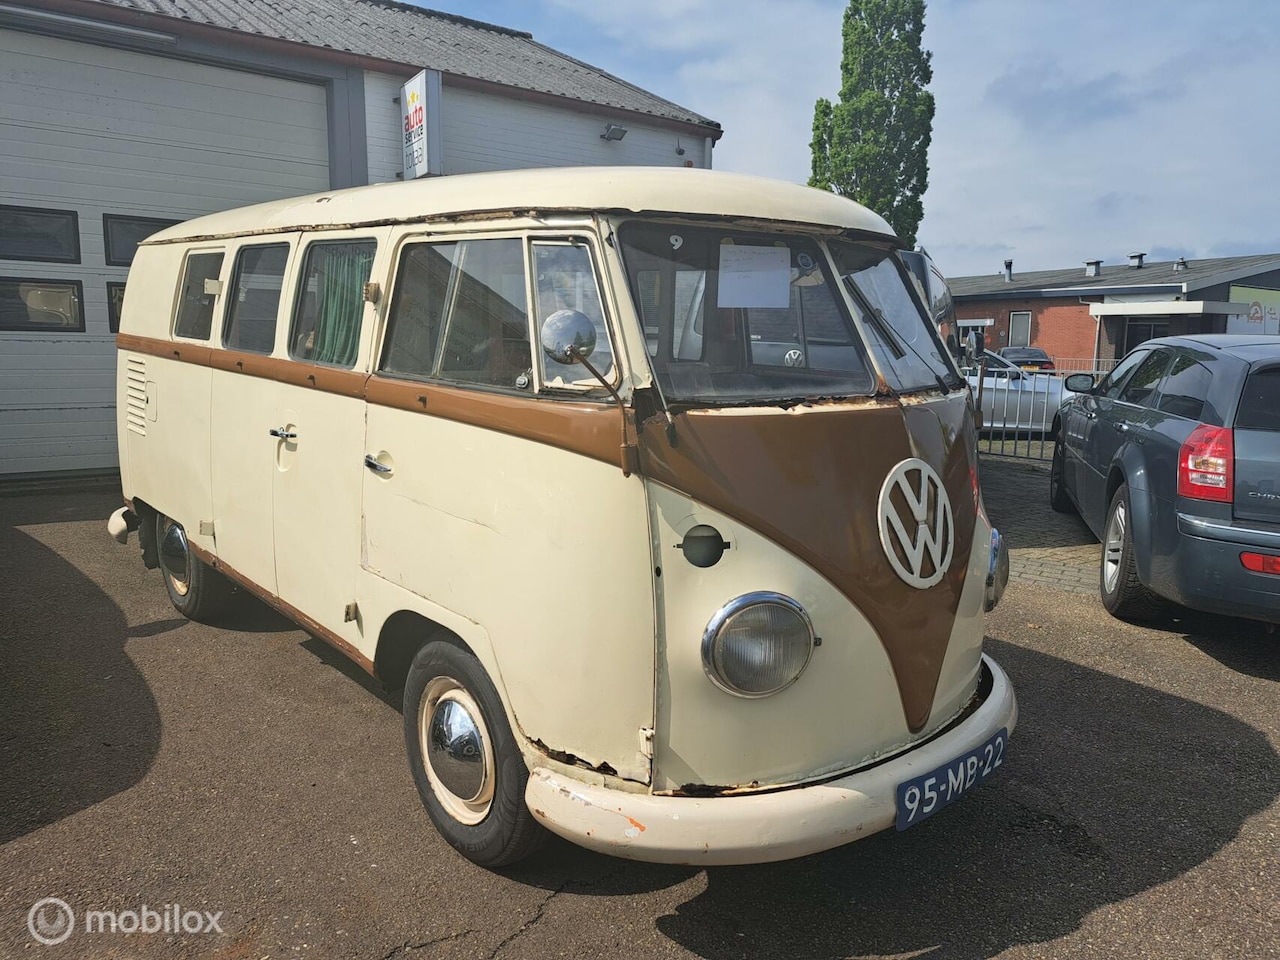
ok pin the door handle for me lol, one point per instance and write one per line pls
(282, 433)
(1122, 427)
(372, 463)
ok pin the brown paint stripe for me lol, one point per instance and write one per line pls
(809, 479)
(589, 429)
(290, 611)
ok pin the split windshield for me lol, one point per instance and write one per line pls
(734, 316)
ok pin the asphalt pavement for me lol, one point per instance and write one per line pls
(246, 770)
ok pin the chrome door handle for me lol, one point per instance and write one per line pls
(372, 463)
(1122, 427)
(282, 433)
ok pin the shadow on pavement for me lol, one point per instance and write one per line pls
(1121, 789)
(1240, 645)
(78, 722)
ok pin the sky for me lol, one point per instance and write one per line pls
(1064, 132)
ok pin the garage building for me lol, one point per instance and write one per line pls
(118, 117)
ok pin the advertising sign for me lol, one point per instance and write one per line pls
(1264, 311)
(413, 109)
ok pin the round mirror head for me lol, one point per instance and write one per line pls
(568, 336)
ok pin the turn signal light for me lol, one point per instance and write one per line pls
(1261, 563)
(1205, 464)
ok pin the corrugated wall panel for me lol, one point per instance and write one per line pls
(101, 130)
(383, 128)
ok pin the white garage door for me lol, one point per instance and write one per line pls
(94, 131)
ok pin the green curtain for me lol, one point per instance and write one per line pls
(341, 302)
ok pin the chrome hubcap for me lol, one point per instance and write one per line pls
(1113, 548)
(456, 749)
(175, 557)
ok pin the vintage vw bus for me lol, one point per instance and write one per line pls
(654, 489)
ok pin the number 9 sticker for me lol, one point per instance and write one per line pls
(676, 241)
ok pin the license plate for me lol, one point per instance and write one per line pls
(923, 796)
(1025, 367)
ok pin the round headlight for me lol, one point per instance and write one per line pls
(757, 644)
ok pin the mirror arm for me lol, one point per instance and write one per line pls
(629, 453)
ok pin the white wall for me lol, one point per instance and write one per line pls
(485, 131)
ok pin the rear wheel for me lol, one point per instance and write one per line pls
(1123, 594)
(464, 758)
(196, 590)
(1058, 498)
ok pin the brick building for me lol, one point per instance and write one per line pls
(1092, 316)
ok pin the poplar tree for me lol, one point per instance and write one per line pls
(873, 145)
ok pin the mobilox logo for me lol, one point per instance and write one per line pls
(51, 920)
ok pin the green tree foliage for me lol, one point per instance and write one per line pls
(873, 145)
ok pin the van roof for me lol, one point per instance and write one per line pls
(562, 189)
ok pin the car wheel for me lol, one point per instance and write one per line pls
(1058, 497)
(196, 590)
(464, 759)
(1123, 594)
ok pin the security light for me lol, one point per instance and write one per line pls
(613, 131)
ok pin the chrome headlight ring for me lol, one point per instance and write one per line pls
(713, 635)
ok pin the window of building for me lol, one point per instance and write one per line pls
(330, 302)
(42, 306)
(115, 303)
(30, 233)
(1020, 328)
(460, 313)
(255, 298)
(123, 234)
(1140, 331)
(197, 296)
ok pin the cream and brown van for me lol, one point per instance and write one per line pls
(654, 489)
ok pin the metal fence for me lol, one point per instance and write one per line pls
(1018, 411)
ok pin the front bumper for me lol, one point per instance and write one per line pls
(761, 827)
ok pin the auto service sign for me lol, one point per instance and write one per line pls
(413, 108)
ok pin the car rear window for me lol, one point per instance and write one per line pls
(1260, 403)
(1186, 388)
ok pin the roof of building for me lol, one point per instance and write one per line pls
(1193, 275)
(405, 34)
(637, 190)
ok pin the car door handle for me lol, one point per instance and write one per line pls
(1122, 427)
(282, 433)
(372, 463)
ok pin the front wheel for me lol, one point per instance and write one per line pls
(1058, 497)
(1123, 594)
(464, 758)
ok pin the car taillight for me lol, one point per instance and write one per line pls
(1205, 464)
(1048, 365)
(1261, 563)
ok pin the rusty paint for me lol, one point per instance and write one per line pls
(635, 823)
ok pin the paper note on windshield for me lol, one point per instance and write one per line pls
(754, 276)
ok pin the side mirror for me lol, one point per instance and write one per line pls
(568, 336)
(970, 349)
(1079, 382)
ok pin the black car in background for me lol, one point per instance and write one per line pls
(1028, 358)
(1173, 460)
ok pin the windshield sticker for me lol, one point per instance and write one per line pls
(754, 276)
(676, 241)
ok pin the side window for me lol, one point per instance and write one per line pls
(197, 296)
(566, 281)
(1112, 382)
(1186, 388)
(255, 298)
(330, 302)
(1140, 390)
(460, 313)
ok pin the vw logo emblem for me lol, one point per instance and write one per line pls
(793, 358)
(917, 529)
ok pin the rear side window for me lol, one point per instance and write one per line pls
(460, 313)
(330, 302)
(1260, 402)
(1141, 388)
(1186, 388)
(197, 296)
(255, 298)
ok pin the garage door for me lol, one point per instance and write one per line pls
(92, 140)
